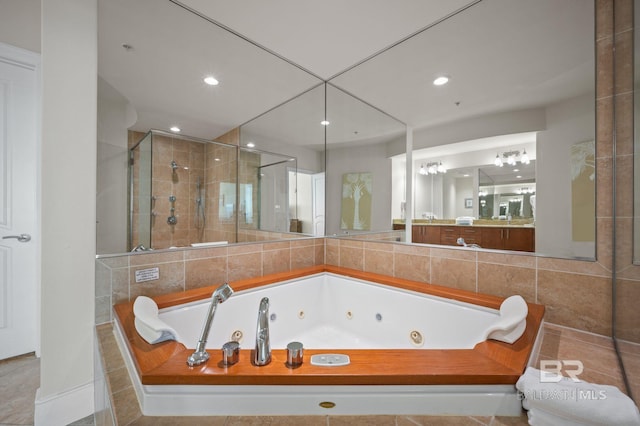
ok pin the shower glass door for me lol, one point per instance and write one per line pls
(140, 194)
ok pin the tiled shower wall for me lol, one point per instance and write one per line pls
(576, 293)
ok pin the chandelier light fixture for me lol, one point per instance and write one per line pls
(432, 168)
(512, 157)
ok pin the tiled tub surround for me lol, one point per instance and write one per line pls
(477, 380)
(186, 269)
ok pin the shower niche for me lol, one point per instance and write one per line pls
(186, 191)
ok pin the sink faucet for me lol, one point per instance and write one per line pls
(262, 354)
(200, 355)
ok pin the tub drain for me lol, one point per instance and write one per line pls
(416, 338)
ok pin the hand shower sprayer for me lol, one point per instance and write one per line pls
(200, 355)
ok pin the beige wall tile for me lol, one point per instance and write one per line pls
(332, 253)
(352, 257)
(274, 261)
(578, 301)
(624, 124)
(526, 261)
(205, 272)
(303, 257)
(624, 185)
(462, 254)
(453, 273)
(623, 61)
(627, 297)
(120, 285)
(505, 280)
(243, 266)
(624, 246)
(377, 261)
(572, 265)
(604, 183)
(142, 258)
(604, 128)
(171, 280)
(412, 267)
(604, 18)
(604, 66)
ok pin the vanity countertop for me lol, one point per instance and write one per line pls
(515, 223)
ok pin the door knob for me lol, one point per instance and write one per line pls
(23, 238)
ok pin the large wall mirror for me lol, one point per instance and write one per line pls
(143, 87)
(521, 79)
(521, 76)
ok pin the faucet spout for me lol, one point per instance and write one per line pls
(200, 356)
(262, 353)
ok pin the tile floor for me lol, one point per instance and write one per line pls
(19, 379)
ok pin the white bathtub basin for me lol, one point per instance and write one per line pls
(329, 311)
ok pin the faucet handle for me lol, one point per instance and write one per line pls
(230, 353)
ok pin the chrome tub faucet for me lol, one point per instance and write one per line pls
(200, 355)
(262, 353)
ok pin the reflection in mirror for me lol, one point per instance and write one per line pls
(267, 194)
(135, 38)
(178, 195)
(359, 173)
(282, 157)
(506, 77)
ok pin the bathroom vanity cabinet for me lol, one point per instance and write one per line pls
(517, 238)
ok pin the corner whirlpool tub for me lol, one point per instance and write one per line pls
(414, 349)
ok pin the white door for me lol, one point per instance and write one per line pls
(318, 204)
(18, 203)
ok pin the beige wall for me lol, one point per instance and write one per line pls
(68, 209)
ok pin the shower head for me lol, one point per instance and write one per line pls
(222, 293)
(175, 166)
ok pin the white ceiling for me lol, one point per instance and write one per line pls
(500, 54)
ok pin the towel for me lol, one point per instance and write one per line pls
(568, 402)
(539, 417)
(148, 325)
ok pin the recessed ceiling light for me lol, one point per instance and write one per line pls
(175, 129)
(324, 123)
(216, 159)
(211, 81)
(441, 80)
(516, 170)
(251, 144)
(519, 177)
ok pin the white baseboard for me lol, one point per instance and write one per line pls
(64, 408)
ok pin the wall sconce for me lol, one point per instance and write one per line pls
(432, 168)
(511, 158)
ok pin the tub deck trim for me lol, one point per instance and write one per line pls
(489, 362)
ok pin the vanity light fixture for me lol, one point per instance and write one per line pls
(175, 129)
(211, 81)
(511, 158)
(432, 168)
(441, 80)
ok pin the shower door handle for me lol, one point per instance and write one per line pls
(23, 238)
